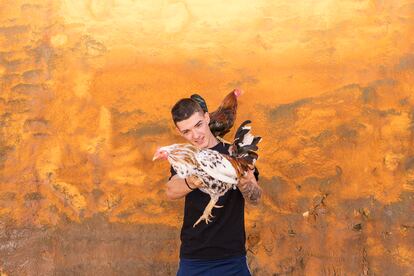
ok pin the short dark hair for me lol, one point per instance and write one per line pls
(184, 109)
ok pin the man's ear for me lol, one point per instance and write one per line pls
(178, 130)
(207, 117)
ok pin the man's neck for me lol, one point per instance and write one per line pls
(212, 142)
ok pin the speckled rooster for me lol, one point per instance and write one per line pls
(218, 172)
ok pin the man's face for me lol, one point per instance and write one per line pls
(196, 130)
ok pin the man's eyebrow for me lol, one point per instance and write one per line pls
(184, 130)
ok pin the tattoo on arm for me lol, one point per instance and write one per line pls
(251, 192)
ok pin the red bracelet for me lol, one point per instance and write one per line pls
(185, 180)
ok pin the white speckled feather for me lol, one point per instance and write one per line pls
(217, 166)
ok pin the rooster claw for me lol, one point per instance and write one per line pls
(222, 140)
(207, 216)
(203, 218)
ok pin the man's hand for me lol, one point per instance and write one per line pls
(249, 188)
(194, 182)
(178, 188)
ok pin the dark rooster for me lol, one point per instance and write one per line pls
(217, 172)
(221, 120)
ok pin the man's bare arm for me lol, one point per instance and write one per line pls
(249, 188)
(177, 188)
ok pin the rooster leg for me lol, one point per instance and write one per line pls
(222, 140)
(207, 211)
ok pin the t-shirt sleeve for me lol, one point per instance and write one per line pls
(172, 171)
(256, 173)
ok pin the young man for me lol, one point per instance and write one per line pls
(217, 248)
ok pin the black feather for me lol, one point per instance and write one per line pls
(200, 101)
(245, 152)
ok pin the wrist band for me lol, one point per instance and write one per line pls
(185, 180)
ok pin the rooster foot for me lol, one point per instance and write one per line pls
(207, 216)
(222, 140)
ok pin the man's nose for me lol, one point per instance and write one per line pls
(196, 134)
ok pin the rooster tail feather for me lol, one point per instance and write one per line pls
(244, 146)
(200, 101)
(242, 130)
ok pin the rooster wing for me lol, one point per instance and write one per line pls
(217, 166)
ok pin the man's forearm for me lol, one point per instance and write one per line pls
(176, 188)
(251, 192)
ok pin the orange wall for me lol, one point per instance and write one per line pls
(86, 89)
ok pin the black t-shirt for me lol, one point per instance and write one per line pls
(224, 236)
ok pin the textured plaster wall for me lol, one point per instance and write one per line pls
(85, 93)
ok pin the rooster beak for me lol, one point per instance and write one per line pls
(156, 156)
